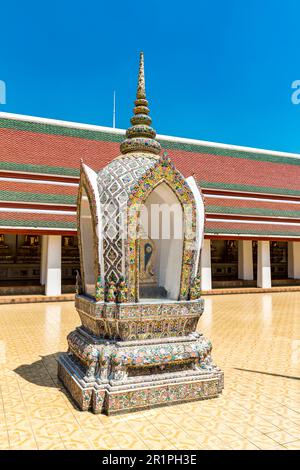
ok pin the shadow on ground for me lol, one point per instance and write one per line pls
(42, 372)
(268, 373)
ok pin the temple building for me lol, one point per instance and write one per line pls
(251, 199)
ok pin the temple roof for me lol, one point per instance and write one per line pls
(236, 182)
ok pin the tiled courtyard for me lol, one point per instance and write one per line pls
(256, 340)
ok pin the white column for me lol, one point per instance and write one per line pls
(290, 260)
(245, 260)
(294, 260)
(43, 268)
(206, 282)
(263, 265)
(53, 278)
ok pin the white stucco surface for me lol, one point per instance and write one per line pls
(263, 264)
(53, 274)
(200, 216)
(206, 278)
(245, 260)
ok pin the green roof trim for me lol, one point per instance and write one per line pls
(239, 231)
(224, 152)
(247, 188)
(116, 137)
(43, 128)
(37, 224)
(23, 196)
(29, 168)
(250, 211)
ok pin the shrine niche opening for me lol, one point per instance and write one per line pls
(161, 245)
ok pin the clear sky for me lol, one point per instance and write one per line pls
(218, 70)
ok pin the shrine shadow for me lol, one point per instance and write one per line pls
(268, 373)
(42, 372)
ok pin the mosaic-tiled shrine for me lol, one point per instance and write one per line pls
(138, 292)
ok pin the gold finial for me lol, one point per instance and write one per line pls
(140, 137)
(141, 91)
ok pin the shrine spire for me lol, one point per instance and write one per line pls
(141, 91)
(140, 137)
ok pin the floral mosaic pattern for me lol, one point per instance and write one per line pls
(114, 185)
(124, 186)
(137, 399)
(138, 321)
(94, 372)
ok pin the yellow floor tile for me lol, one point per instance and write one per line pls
(293, 445)
(259, 408)
(281, 437)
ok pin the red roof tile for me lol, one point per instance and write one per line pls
(250, 207)
(25, 147)
(57, 150)
(232, 228)
(38, 188)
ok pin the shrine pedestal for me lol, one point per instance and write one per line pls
(114, 375)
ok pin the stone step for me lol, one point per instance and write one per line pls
(24, 299)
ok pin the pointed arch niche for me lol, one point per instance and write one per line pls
(175, 254)
(161, 245)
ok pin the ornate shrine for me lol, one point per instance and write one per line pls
(138, 291)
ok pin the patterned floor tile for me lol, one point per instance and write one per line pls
(293, 445)
(281, 437)
(259, 408)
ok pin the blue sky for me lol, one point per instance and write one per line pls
(215, 70)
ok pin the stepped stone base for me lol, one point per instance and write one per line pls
(107, 376)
